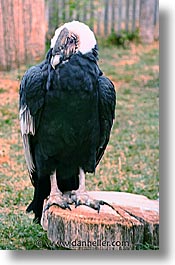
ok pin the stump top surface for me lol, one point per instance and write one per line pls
(129, 209)
(126, 199)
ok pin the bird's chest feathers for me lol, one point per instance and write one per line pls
(78, 74)
(73, 95)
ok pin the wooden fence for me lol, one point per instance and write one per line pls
(103, 16)
(23, 23)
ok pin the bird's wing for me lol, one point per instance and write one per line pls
(107, 101)
(32, 93)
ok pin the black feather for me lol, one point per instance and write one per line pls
(107, 102)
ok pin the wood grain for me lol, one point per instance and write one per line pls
(133, 224)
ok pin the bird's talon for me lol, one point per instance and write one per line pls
(106, 203)
(58, 200)
(77, 203)
(83, 199)
(46, 208)
(68, 207)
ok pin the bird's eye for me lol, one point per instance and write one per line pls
(71, 41)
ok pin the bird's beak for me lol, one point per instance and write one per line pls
(58, 52)
(55, 60)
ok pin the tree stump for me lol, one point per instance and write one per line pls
(133, 224)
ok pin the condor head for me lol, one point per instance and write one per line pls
(69, 39)
(66, 45)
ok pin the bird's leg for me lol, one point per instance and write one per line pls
(81, 197)
(81, 188)
(56, 196)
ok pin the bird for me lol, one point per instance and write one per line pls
(66, 113)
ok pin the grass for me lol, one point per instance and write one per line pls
(131, 160)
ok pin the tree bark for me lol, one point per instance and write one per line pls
(133, 224)
(22, 32)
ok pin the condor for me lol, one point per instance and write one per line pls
(66, 113)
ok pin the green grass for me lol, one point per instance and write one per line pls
(130, 163)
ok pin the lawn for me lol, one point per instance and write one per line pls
(130, 163)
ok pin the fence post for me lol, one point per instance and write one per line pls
(134, 15)
(92, 14)
(52, 6)
(127, 16)
(113, 16)
(106, 17)
(147, 21)
(119, 15)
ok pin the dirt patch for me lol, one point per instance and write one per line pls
(9, 84)
(9, 88)
(125, 61)
(139, 49)
(4, 152)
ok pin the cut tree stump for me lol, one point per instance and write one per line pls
(134, 224)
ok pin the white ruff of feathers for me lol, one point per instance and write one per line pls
(87, 39)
